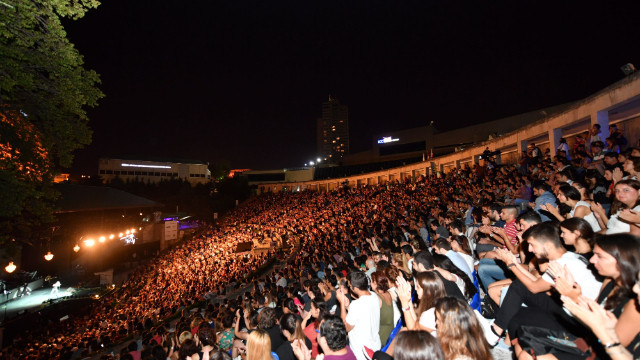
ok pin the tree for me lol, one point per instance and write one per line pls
(44, 93)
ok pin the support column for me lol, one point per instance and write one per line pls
(476, 159)
(554, 141)
(440, 170)
(522, 146)
(413, 176)
(457, 164)
(434, 169)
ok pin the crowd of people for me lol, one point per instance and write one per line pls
(535, 260)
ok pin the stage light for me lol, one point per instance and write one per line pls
(127, 232)
(318, 159)
(48, 256)
(96, 296)
(10, 268)
(140, 228)
(121, 235)
(133, 231)
(140, 214)
(111, 236)
(89, 242)
(102, 239)
(76, 248)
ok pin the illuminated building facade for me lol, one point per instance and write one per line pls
(148, 171)
(333, 131)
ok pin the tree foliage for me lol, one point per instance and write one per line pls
(44, 93)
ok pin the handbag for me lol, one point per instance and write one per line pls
(540, 341)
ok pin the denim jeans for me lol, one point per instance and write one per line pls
(490, 271)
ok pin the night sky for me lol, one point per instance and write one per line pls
(243, 82)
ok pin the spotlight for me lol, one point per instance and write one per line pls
(133, 231)
(76, 248)
(48, 256)
(111, 236)
(121, 235)
(10, 268)
(89, 242)
(127, 232)
(102, 239)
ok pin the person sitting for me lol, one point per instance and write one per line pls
(542, 309)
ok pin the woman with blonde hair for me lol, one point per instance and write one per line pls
(259, 346)
(400, 262)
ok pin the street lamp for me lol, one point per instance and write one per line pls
(10, 268)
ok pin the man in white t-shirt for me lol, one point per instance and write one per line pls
(542, 310)
(361, 317)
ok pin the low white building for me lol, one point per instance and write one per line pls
(150, 171)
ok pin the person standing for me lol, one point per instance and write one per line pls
(362, 316)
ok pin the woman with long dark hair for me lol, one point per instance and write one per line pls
(317, 312)
(465, 283)
(429, 289)
(578, 233)
(291, 328)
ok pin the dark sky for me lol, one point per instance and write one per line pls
(242, 82)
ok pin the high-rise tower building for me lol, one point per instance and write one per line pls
(333, 131)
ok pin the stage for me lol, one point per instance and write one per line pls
(37, 300)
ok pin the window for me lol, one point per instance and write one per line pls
(102, 172)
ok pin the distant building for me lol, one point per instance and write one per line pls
(333, 131)
(153, 171)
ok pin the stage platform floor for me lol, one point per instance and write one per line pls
(38, 299)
